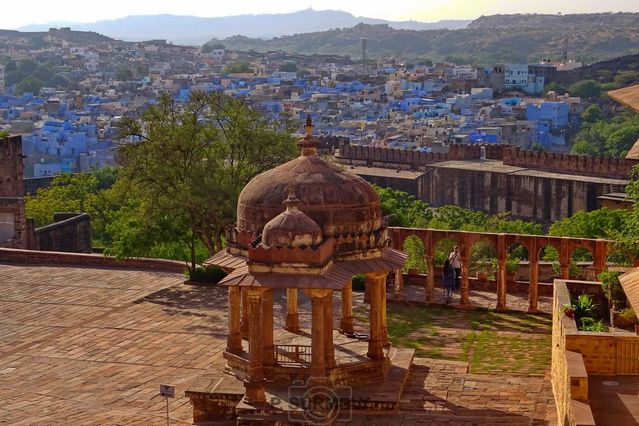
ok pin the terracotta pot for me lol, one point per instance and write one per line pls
(413, 272)
(482, 276)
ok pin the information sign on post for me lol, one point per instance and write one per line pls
(167, 391)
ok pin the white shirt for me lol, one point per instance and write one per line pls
(455, 260)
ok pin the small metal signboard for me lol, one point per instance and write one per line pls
(167, 391)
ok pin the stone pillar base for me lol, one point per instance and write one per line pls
(292, 323)
(346, 325)
(255, 391)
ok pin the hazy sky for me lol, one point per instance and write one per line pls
(21, 12)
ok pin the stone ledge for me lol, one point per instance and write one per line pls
(582, 413)
(35, 257)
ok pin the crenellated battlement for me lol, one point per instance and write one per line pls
(510, 155)
(619, 168)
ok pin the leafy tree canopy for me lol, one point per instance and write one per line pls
(585, 89)
(185, 165)
(239, 67)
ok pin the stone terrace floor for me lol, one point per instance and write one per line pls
(477, 298)
(91, 346)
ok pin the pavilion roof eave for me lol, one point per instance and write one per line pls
(334, 278)
(225, 260)
(630, 283)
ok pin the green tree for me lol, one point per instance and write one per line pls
(123, 73)
(601, 223)
(29, 84)
(80, 192)
(591, 114)
(240, 67)
(28, 65)
(585, 89)
(187, 163)
(10, 65)
(554, 87)
(403, 209)
(458, 218)
(288, 67)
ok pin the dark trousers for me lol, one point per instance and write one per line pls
(457, 278)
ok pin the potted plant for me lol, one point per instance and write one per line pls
(512, 266)
(626, 318)
(568, 310)
(613, 291)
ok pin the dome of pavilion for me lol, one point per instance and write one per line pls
(341, 203)
(291, 228)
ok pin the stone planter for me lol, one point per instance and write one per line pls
(618, 321)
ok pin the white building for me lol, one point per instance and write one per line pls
(515, 76)
(91, 61)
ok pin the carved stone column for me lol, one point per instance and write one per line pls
(564, 259)
(501, 271)
(254, 383)
(318, 334)
(430, 278)
(346, 323)
(399, 284)
(533, 290)
(329, 347)
(244, 324)
(600, 256)
(234, 339)
(268, 351)
(385, 341)
(292, 314)
(375, 283)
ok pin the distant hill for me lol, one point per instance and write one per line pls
(572, 21)
(623, 71)
(71, 36)
(198, 30)
(491, 39)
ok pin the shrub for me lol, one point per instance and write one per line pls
(612, 289)
(359, 282)
(206, 274)
(628, 314)
(589, 324)
(583, 306)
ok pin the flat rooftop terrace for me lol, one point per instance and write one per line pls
(497, 166)
(90, 346)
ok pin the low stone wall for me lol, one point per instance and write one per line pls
(605, 354)
(559, 366)
(70, 232)
(34, 257)
(569, 163)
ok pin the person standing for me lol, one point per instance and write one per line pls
(448, 281)
(455, 262)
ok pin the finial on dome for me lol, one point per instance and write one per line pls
(291, 201)
(308, 127)
(308, 142)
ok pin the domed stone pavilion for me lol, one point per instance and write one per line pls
(306, 225)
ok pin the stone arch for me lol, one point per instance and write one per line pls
(483, 257)
(415, 248)
(581, 257)
(442, 247)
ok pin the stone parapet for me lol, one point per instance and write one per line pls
(34, 257)
(618, 168)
